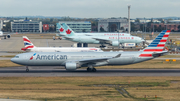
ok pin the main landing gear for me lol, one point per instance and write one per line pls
(27, 69)
(91, 69)
(102, 46)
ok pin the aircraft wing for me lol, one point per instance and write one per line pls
(84, 61)
(102, 40)
(67, 37)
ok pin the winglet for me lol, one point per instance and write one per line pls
(117, 56)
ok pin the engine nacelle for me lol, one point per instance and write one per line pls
(71, 66)
(115, 43)
(8, 36)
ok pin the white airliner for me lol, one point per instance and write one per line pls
(29, 47)
(74, 60)
(3, 35)
(63, 32)
(114, 40)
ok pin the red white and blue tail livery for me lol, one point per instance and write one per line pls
(157, 46)
(29, 47)
(27, 44)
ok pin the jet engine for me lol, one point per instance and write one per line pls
(8, 36)
(115, 43)
(71, 66)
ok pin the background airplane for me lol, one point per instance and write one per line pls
(4, 35)
(29, 47)
(63, 32)
(75, 60)
(111, 40)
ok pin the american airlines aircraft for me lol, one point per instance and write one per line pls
(111, 40)
(75, 60)
(29, 47)
(3, 35)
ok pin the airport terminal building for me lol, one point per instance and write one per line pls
(111, 25)
(77, 26)
(26, 26)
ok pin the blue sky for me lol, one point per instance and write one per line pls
(90, 8)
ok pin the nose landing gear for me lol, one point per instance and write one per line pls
(27, 69)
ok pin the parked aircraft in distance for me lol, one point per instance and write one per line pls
(4, 35)
(63, 32)
(29, 47)
(111, 40)
(75, 60)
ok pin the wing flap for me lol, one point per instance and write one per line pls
(102, 40)
(68, 37)
(97, 59)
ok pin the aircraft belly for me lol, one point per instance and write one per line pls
(122, 61)
(142, 59)
(87, 41)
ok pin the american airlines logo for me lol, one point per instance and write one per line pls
(32, 56)
(51, 57)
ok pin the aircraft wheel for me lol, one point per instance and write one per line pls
(94, 69)
(88, 69)
(27, 70)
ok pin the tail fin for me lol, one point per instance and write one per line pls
(61, 30)
(157, 45)
(69, 31)
(27, 44)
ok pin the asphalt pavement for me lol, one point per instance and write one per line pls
(50, 71)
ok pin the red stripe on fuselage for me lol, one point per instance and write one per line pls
(26, 40)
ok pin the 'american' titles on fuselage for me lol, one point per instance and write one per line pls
(51, 57)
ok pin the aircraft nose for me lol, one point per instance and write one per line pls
(12, 60)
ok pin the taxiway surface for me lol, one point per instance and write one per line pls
(56, 71)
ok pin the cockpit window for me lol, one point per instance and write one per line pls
(16, 56)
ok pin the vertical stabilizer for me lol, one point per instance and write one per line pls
(27, 44)
(157, 45)
(61, 29)
(69, 31)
